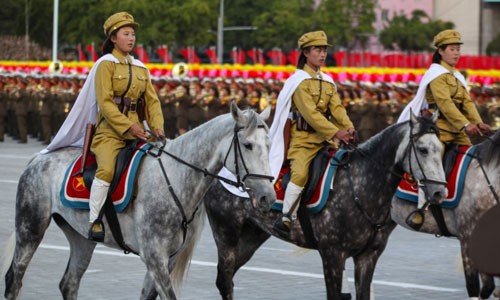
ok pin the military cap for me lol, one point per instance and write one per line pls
(117, 21)
(447, 37)
(315, 38)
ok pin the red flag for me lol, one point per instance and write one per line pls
(190, 55)
(163, 53)
(253, 55)
(260, 57)
(293, 57)
(212, 55)
(339, 57)
(141, 53)
(81, 54)
(277, 57)
(238, 56)
(91, 49)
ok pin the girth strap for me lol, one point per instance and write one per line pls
(437, 212)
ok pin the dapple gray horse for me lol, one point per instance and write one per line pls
(153, 225)
(476, 199)
(356, 219)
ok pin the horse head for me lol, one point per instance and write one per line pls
(421, 157)
(250, 161)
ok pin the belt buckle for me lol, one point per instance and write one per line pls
(133, 107)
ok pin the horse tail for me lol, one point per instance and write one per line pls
(8, 253)
(179, 272)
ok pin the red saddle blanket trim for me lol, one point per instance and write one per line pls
(407, 189)
(318, 199)
(75, 194)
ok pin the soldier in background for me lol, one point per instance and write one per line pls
(46, 104)
(182, 97)
(196, 113)
(166, 94)
(22, 98)
(212, 103)
(3, 110)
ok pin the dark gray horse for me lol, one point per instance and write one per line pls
(477, 198)
(346, 227)
(154, 225)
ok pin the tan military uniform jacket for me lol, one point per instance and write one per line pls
(455, 105)
(313, 107)
(111, 81)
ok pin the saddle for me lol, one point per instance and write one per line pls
(316, 170)
(122, 162)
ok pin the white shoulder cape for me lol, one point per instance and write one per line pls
(282, 113)
(420, 102)
(84, 111)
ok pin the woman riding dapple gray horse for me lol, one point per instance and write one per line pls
(166, 217)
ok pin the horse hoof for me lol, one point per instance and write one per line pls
(345, 296)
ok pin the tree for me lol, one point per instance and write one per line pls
(283, 23)
(347, 22)
(493, 47)
(414, 34)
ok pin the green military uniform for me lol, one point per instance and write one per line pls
(456, 108)
(22, 102)
(3, 111)
(313, 107)
(112, 126)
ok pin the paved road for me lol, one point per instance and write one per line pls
(413, 266)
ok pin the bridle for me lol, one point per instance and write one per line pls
(157, 151)
(412, 148)
(235, 144)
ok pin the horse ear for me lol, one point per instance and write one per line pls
(266, 113)
(413, 119)
(235, 111)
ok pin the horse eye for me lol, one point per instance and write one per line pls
(423, 150)
(248, 146)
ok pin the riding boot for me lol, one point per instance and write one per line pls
(98, 195)
(292, 195)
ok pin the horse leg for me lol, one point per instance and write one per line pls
(81, 251)
(234, 248)
(32, 220)
(471, 275)
(364, 267)
(333, 268)
(148, 291)
(488, 286)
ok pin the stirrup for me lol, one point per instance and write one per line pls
(415, 219)
(283, 225)
(96, 231)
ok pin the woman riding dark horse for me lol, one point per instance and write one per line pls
(355, 221)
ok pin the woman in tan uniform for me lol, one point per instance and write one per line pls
(320, 119)
(118, 80)
(458, 115)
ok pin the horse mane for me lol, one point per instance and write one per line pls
(489, 149)
(373, 144)
(385, 138)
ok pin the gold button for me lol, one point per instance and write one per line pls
(119, 76)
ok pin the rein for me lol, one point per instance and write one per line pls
(411, 148)
(240, 183)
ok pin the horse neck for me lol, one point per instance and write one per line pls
(202, 146)
(376, 159)
(381, 149)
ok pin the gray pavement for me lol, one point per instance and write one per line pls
(413, 266)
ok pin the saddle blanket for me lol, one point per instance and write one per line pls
(316, 203)
(75, 194)
(408, 190)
